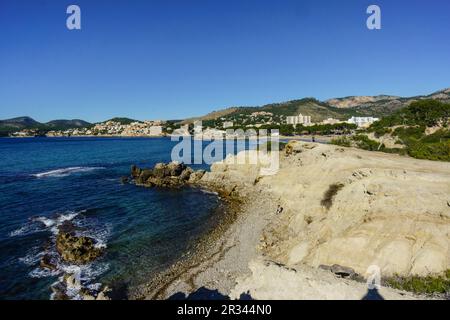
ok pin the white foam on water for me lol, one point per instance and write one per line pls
(209, 192)
(94, 286)
(64, 172)
(46, 221)
(43, 273)
(24, 230)
(84, 274)
(32, 257)
(100, 234)
(63, 218)
(40, 224)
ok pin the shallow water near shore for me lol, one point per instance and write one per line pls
(47, 181)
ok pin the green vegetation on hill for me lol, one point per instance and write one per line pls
(425, 113)
(318, 110)
(67, 124)
(122, 120)
(17, 124)
(423, 129)
(379, 106)
(276, 113)
(422, 285)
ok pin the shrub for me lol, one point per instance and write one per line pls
(363, 142)
(431, 151)
(329, 195)
(421, 285)
(344, 142)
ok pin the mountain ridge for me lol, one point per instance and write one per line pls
(339, 108)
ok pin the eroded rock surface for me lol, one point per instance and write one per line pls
(171, 175)
(390, 211)
(76, 249)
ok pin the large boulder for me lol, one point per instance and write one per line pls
(171, 175)
(76, 249)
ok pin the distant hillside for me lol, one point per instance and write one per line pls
(20, 123)
(123, 120)
(357, 101)
(308, 106)
(421, 130)
(339, 108)
(212, 115)
(383, 105)
(316, 109)
(75, 123)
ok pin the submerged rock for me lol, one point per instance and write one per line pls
(48, 262)
(71, 287)
(90, 295)
(59, 291)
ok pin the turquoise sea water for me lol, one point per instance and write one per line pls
(45, 181)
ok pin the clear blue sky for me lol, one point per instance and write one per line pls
(179, 58)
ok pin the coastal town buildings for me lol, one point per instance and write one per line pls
(331, 121)
(261, 114)
(109, 128)
(228, 124)
(25, 133)
(300, 119)
(362, 122)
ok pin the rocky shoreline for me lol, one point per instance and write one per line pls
(72, 249)
(171, 175)
(281, 240)
(176, 175)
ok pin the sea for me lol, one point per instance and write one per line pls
(47, 181)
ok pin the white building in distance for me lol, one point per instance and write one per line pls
(228, 124)
(300, 119)
(331, 121)
(362, 121)
(156, 130)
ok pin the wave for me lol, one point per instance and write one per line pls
(64, 172)
(43, 273)
(99, 232)
(26, 230)
(40, 224)
(84, 278)
(32, 257)
(85, 275)
(209, 192)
